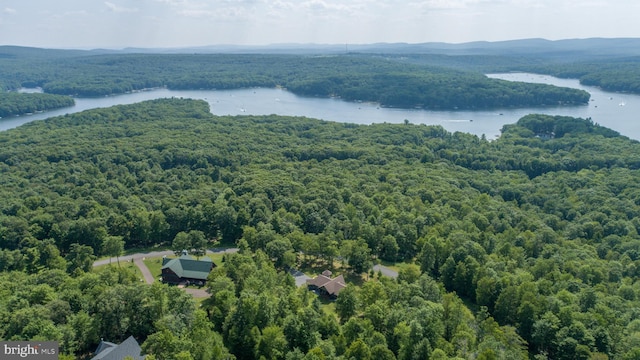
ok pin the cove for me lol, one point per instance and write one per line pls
(613, 110)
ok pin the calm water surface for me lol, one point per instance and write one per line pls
(613, 110)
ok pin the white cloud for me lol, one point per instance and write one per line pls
(9, 10)
(222, 13)
(240, 1)
(278, 10)
(75, 14)
(588, 4)
(280, 6)
(332, 10)
(321, 5)
(468, 4)
(196, 13)
(440, 4)
(170, 2)
(119, 9)
(173, 2)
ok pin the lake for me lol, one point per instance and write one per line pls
(613, 110)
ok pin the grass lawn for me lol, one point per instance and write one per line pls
(199, 301)
(154, 265)
(314, 267)
(394, 266)
(217, 258)
(328, 306)
(356, 279)
(123, 264)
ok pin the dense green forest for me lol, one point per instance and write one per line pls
(13, 103)
(351, 77)
(526, 246)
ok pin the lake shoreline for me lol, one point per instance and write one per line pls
(604, 108)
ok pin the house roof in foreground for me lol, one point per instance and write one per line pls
(318, 281)
(187, 267)
(335, 286)
(110, 351)
(331, 286)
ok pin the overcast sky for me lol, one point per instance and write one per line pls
(180, 23)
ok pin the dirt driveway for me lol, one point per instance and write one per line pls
(385, 271)
(148, 277)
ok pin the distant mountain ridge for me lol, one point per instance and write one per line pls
(591, 47)
(587, 47)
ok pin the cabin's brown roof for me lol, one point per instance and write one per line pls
(334, 286)
(331, 286)
(318, 281)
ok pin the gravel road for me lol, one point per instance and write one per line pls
(385, 271)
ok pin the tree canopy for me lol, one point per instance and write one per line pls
(523, 246)
(13, 103)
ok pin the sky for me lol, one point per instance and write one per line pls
(87, 24)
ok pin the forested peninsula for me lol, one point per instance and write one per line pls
(14, 103)
(525, 246)
(352, 77)
(610, 64)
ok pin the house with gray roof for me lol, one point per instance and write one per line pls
(110, 351)
(327, 286)
(186, 269)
